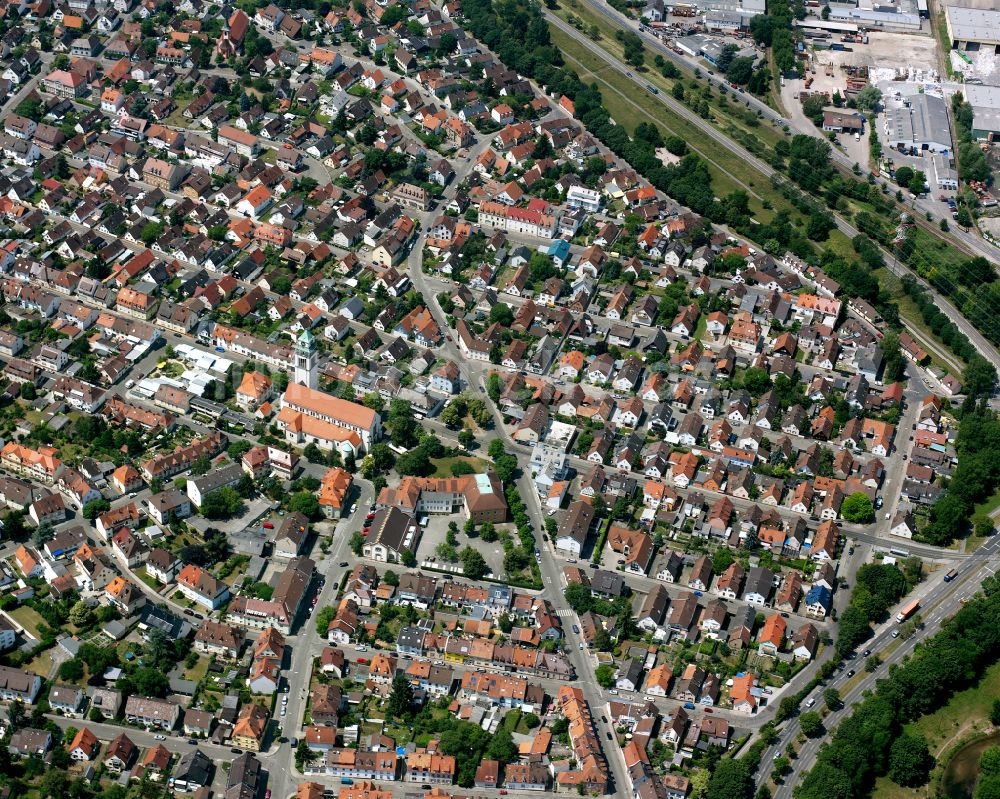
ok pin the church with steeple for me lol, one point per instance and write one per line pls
(306, 361)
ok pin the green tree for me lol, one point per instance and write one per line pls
(95, 508)
(473, 564)
(81, 614)
(503, 314)
(150, 232)
(578, 597)
(868, 98)
(379, 460)
(304, 502)
(730, 780)
(502, 747)
(323, 619)
(224, 503)
(831, 696)
(494, 386)
(605, 675)
(910, 762)
(988, 787)
(488, 532)
(811, 724)
(989, 761)
(400, 697)
(995, 713)
(304, 755)
(357, 542)
(71, 670)
(857, 508)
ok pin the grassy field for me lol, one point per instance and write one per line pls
(442, 466)
(197, 674)
(28, 618)
(639, 107)
(632, 108)
(967, 711)
(149, 580)
(766, 134)
(988, 506)
(42, 664)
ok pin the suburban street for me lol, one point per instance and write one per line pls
(938, 601)
(984, 347)
(796, 120)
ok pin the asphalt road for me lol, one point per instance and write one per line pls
(938, 601)
(963, 238)
(985, 348)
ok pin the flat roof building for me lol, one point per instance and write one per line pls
(974, 26)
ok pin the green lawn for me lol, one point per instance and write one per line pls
(197, 674)
(42, 664)
(442, 466)
(28, 618)
(149, 580)
(988, 506)
(966, 712)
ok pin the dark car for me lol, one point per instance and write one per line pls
(609, 735)
(236, 751)
(344, 564)
(850, 672)
(866, 653)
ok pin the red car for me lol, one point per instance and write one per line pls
(363, 660)
(268, 526)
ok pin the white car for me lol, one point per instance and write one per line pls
(160, 737)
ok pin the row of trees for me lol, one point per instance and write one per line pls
(976, 478)
(871, 742)
(877, 587)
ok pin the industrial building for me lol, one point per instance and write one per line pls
(920, 123)
(985, 102)
(889, 15)
(972, 28)
(660, 10)
(943, 175)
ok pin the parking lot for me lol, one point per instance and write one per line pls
(435, 533)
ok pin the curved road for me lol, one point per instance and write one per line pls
(960, 237)
(984, 347)
(938, 601)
